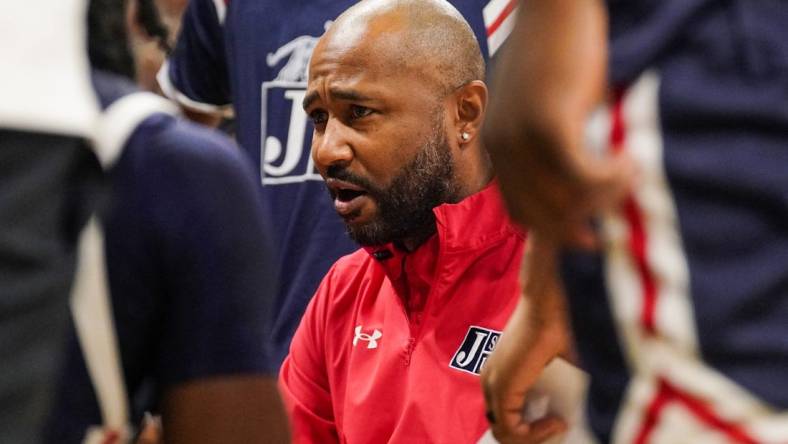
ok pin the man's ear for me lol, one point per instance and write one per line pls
(471, 101)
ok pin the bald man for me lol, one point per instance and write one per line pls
(391, 346)
(254, 55)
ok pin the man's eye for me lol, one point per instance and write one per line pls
(357, 112)
(318, 117)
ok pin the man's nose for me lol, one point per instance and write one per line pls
(332, 146)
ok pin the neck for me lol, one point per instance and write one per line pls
(474, 172)
(414, 241)
(475, 177)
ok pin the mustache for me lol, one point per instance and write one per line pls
(342, 173)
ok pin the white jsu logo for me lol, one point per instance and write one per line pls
(291, 163)
(479, 342)
(370, 339)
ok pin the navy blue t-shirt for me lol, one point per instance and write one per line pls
(189, 265)
(255, 54)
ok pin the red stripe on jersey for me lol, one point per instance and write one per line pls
(659, 402)
(501, 18)
(666, 394)
(638, 239)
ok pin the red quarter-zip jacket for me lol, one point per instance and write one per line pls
(391, 346)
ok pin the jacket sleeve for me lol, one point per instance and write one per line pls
(303, 378)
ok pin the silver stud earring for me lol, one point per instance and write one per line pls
(465, 136)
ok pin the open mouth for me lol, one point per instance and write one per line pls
(349, 199)
(347, 195)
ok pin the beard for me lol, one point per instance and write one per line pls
(404, 208)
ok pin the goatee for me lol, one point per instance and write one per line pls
(404, 208)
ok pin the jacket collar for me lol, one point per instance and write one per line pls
(476, 222)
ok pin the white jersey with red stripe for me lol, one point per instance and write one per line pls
(683, 319)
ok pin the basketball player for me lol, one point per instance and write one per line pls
(681, 317)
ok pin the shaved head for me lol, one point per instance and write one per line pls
(396, 93)
(429, 38)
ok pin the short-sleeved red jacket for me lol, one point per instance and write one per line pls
(390, 347)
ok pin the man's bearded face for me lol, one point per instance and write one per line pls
(404, 207)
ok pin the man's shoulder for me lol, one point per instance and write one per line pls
(186, 152)
(152, 135)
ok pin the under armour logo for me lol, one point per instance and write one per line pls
(372, 340)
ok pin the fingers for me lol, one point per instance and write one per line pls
(522, 432)
(559, 201)
(536, 332)
(608, 181)
(508, 420)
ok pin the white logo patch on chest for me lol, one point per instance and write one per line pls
(370, 339)
(474, 350)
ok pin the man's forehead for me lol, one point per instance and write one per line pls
(362, 42)
(375, 54)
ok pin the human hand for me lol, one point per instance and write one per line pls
(506, 379)
(536, 333)
(559, 198)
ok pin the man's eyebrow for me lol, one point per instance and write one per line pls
(309, 98)
(337, 93)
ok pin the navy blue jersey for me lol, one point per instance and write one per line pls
(255, 55)
(690, 343)
(188, 261)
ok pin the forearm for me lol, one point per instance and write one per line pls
(554, 71)
(543, 302)
(547, 82)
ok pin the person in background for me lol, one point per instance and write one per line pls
(48, 179)
(391, 345)
(189, 272)
(681, 313)
(152, 37)
(253, 56)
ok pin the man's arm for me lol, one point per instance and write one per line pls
(537, 332)
(303, 378)
(227, 409)
(219, 283)
(552, 75)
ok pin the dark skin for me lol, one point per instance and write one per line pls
(364, 122)
(537, 332)
(228, 409)
(554, 75)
